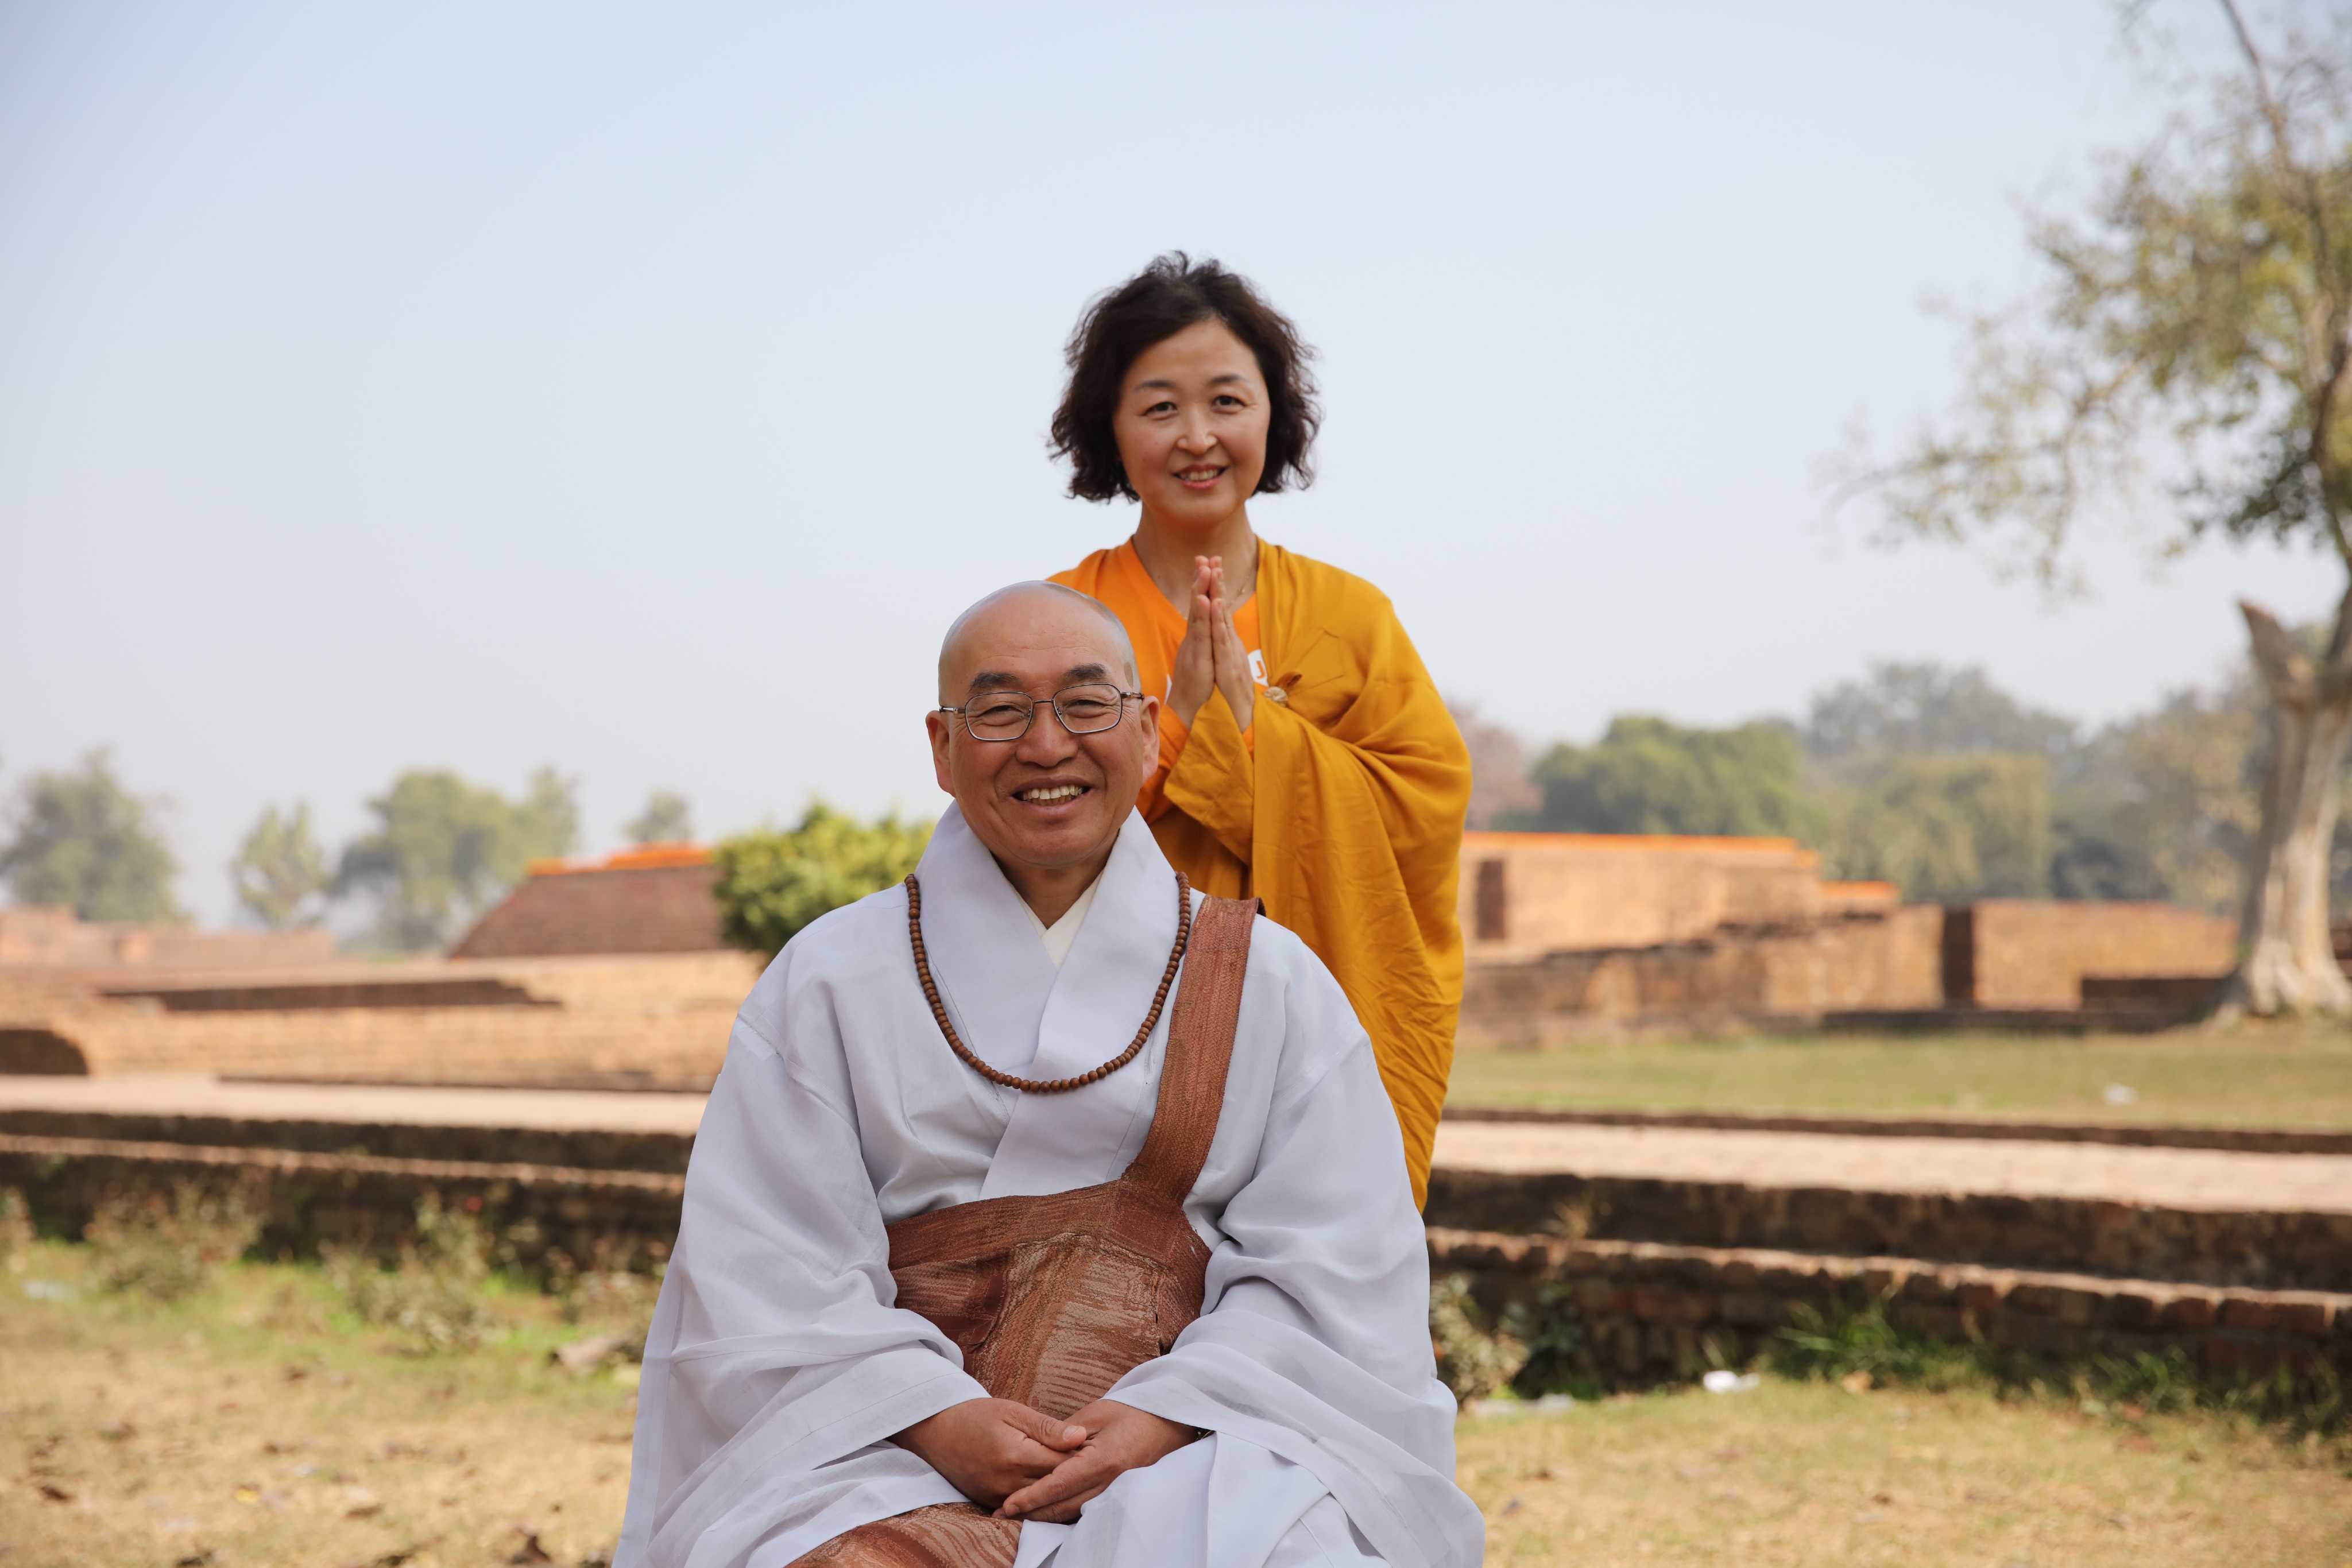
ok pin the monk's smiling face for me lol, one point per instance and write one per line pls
(1192, 425)
(1051, 803)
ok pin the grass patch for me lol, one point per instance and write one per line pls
(1804, 1474)
(166, 1246)
(2258, 1075)
(258, 1420)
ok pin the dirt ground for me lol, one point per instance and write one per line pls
(257, 1424)
(2257, 1075)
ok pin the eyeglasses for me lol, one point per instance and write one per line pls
(1083, 709)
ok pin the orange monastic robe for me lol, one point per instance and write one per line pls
(1341, 808)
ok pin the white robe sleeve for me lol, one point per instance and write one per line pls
(777, 1365)
(1313, 1351)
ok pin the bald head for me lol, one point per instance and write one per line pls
(1025, 614)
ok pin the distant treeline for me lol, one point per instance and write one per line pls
(1933, 779)
(440, 851)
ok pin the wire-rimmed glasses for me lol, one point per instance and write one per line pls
(1084, 709)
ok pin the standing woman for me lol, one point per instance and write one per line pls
(1305, 756)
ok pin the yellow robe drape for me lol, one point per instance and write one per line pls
(1343, 812)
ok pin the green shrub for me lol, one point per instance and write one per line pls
(1552, 1334)
(616, 1290)
(1861, 1342)
(773, 883)
(17, 1234)
(434, 1294)
(168, 1247)
(1473, 1360)
(1840, 1345)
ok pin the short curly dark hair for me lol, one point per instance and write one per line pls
(1165, 298)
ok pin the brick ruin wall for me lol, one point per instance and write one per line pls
(1794, 973)
(1522, 894)
(2035, 953)
(658, 1021)
(1683, 936)
(1579, 936)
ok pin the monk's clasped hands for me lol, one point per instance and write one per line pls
(991, 1448)
(1119, 1439)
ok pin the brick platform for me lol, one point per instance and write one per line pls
(1655, 1311)
(1650, 1309)
(2120, 1134)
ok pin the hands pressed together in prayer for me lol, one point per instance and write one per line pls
(1211, 658)
(1005, 1456)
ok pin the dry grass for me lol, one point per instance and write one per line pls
(2274, 1075)
(1807, 1474)
(256, 1423)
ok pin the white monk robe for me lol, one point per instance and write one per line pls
(777, 1366)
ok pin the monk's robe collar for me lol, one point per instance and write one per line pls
(1020, 1015)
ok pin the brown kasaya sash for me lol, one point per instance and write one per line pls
(1054, 1299)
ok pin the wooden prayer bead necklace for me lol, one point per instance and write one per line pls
(1057, 1086)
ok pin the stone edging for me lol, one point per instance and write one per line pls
(2239, 1140)
(1654, 1310)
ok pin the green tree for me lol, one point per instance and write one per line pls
(2200, 307)
(2099, 847)
(1949, 828)
(279, 872)
(547, 819)
(79, 837)
(1647, 775)
(444, 848)
(1926, 707)
(2195, 764)
(772, 883)
(667, 819)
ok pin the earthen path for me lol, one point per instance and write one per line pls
(2191, 1178)
(174, 1095)
(2172, 1178)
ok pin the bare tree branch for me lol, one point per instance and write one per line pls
(2285, 669)
(2334, 345)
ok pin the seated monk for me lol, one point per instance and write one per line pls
(1046, 1212)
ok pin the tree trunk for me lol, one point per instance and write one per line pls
(2286, 963)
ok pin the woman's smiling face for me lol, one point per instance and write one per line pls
(1191, 423)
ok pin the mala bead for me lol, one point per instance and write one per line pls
(1057, 1086)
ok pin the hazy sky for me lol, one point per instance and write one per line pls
(640, 388)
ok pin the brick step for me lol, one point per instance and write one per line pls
(2250, 1247)
(2241, 1140)
(1654, 1310)
(313, 1199)
(2279, 1248)
(1651, 1309)
(588, 1148)
(467, 991)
